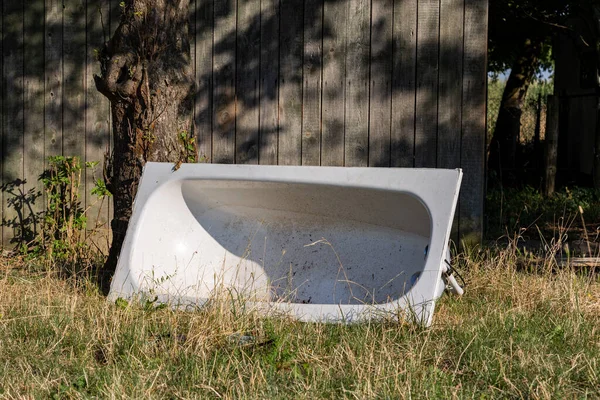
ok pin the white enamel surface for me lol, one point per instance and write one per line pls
(321, 243)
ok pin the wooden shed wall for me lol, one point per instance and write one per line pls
(379, 83)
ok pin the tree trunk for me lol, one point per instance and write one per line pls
(147, 75)
(503, 146)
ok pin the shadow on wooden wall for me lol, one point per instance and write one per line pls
(382, 83)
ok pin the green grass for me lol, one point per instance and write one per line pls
(513, 334)
(495, 90)
(526, 211)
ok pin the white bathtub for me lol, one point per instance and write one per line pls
(320, 243)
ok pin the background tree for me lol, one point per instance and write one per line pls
(520, 34)
(147, 75)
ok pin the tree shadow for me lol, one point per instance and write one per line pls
(25, 222)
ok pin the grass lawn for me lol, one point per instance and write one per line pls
(514, 334)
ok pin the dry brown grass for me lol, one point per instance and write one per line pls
(513, 334)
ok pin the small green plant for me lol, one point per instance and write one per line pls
(121, 303)
(64, 218)
(148, 137)
(56, 233)
(100, 189)
(189, 146)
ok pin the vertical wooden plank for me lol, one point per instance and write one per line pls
(53, 79)
(1, 120)
(450, 88)
(97, 122)
(551, 142)
(403, 83)
(428, 34)
(269, 82)
(473, 120)
(192, 42)
(356, 143)
(311, 93)
(224, 81)
(291, 44)
(12, 152)
(33, 107)
(450, 83)
(192, 35)
(247, 78)
(381, 83)
(74, 85)
(585, 148)
(53, 118)
(334, 77)
(203, 59)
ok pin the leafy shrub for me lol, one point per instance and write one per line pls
(517, 209)
(57, 231)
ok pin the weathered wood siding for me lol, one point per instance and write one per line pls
(381, 83)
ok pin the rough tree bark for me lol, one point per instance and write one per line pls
(147, 75)
(503, 146)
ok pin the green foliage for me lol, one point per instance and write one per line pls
(188, 143)
(514, 210)
(513, 21)
(100, 190)
(61, 184)
(121, 303)
(55, 233)
(64, 217)
(538, 90)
